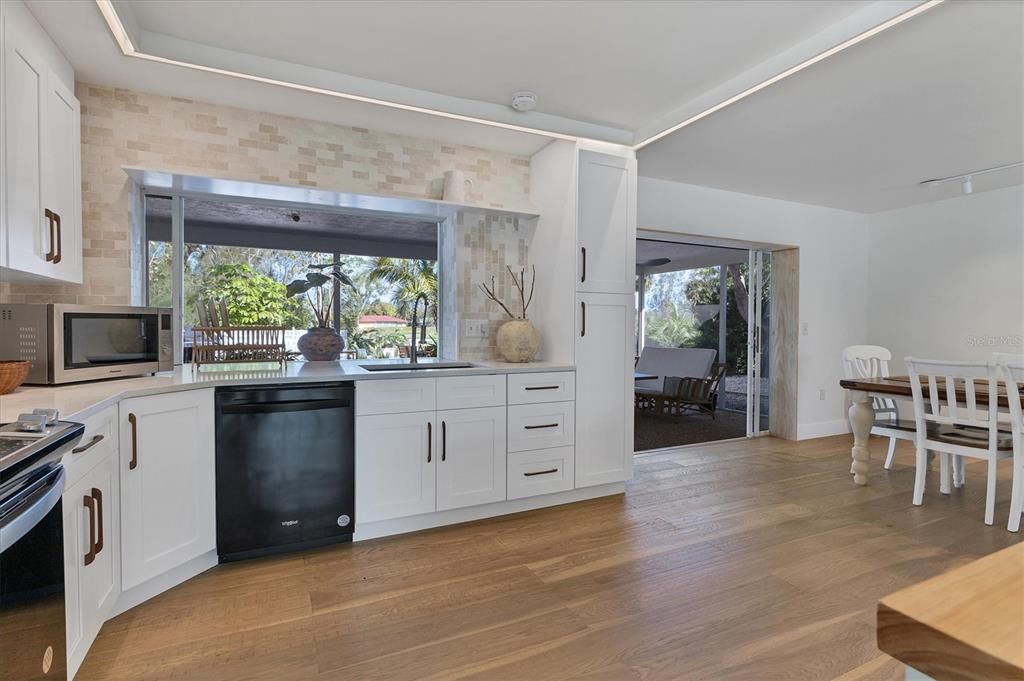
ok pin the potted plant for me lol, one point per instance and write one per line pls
(321, 343)
(518, 339)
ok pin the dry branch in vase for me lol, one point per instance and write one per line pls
(520, 284)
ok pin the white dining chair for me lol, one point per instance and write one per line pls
(872, 361)
(1010, 368)
(952, 426)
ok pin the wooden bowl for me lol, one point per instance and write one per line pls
(13, 373)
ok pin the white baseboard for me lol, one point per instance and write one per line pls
(156, 586)
(384, 528)
(807, 431)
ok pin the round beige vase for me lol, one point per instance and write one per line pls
(518, 340)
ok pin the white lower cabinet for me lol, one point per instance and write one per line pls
(395, 471)
(604, 388)
(92, 552)
(471, 468)
(168, 512)
(543, 471)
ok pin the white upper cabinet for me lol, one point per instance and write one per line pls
(604, 388)
(40, 173)
(168, 512)
(606, 223)
(62, 181)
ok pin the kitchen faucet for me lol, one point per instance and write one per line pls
(415, 304)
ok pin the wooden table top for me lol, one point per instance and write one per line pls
(965, 624)
(899, 386)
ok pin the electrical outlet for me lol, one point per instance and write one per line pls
(803, 331)
(821, 393)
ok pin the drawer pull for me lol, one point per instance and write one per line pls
(430, 440)
(532, 473)
(96, 439)
(444, 441)
(544, 425)
(541, 387)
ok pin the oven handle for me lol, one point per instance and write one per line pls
(22, 522)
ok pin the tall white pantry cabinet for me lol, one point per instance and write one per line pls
(585, 244)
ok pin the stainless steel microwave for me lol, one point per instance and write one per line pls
(71, 343)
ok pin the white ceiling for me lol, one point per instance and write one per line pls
(684, 256)
(939, 95)
(936, 95)
(613, 63)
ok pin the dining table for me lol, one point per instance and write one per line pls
(862, 415)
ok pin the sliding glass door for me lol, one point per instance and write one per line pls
(758, 350)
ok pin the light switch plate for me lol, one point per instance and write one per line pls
(476, 328)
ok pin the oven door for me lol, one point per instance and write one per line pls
(32, 626)
(104, 342)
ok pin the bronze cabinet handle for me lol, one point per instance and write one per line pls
(50, 254)
(541, 387)
(444, 441)
(583, 325)
(133, 422)
(430, 439)
(550, 470)
(98, 496)
(90, 504)
(60, 249)
(95, 440)
(583, 273)
(545, 425)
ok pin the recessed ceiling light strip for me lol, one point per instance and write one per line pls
(923, 7)
(128, 49)
(973, 173)
(124, 41)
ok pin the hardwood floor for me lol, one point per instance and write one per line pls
(756, 560)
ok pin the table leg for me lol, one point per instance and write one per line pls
(862, 417)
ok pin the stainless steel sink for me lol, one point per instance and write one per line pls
(417, 367)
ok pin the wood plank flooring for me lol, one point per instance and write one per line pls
(753, 560)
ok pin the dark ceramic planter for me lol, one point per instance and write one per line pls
(321, 345)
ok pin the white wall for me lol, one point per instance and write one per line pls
(833, 262)
(947, 278)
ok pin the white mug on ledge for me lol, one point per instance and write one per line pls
(456, 186)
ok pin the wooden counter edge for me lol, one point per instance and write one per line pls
(935, 653)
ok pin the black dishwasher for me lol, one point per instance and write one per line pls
(285, 468)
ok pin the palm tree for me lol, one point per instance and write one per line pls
(408, 278)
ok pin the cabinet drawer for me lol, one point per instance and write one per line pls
(395, 396)
(540, 426)
(99, 439)
(540, 472)
(553, 386)
(470, 392)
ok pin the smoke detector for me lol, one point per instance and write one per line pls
(524, 101)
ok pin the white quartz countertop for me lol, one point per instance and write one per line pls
(80, 400)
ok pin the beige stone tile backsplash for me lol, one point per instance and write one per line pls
(486, 244)
(121, 127)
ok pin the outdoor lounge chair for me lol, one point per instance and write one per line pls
(691, 394)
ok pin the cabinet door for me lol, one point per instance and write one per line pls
(606, 224)
(395, 465)
(62, 185)
(24, 82)
(604, 388)
(168, 515)
(471, 469)
(92, 527)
